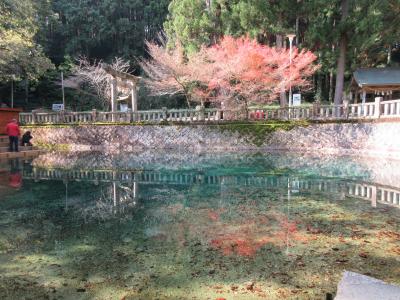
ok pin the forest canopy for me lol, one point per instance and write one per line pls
(38, 35)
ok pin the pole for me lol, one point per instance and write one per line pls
(288, 215)
(290, 70)
(291, 37)
(62, 89)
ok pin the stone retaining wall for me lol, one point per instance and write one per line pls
(346, 138)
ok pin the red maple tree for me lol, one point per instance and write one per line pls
(236, 72)
(239, 71)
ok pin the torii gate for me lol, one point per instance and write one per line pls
(122, 81)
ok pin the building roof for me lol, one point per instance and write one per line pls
(377, 77)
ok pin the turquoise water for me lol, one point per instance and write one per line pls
(160, 225)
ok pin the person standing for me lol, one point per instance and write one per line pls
(13, 132)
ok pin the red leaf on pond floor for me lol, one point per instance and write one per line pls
(396, 250)
(363, 255)
(214, 216)
(388, 234)
(218, 287)
(313, 230)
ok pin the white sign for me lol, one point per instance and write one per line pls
(123, 107)
(57, 107)
(296, 100)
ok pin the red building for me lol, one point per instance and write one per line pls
(6, 115)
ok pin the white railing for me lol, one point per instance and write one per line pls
(372, 110)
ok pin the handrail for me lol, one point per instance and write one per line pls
(370, 110)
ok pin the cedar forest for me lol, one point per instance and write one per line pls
(41, 38)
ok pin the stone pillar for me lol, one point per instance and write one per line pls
(164, 114)
(113, 98)
(316, 107)
(94, 115)
(135, 191)
(33, 117)
(134, 97)
(345, 109)
(373, 196)
(200, 112)
(128, 115)
(364, 97)
(134, 101)
(378, 107)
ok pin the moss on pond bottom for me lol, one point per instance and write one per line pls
(52, 147)
(113, 260)
(260, 132)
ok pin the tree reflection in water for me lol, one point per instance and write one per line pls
(113, 200)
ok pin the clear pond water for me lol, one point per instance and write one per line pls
(195, 225)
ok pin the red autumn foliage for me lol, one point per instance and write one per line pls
(237, 71)
(214, 216)
(243, 71)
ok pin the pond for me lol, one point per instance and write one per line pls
(183, 225)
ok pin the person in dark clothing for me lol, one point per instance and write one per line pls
(13, 132)
(26, 139)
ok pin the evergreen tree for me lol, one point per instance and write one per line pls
(104, 29)
(21, 57)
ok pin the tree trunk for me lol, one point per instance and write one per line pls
(26, 90)
(341, 65)
(12, 93)
(279, 44)
(330, 96)
(389, 56)
(319, 87)
(187, 96)
(297, 32)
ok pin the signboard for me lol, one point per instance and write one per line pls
(123, 107)
(57, 107)
(296, 100)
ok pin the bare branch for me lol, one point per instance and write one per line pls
(97, 78)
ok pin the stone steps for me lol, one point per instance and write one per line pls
(21, 154)
(20, 148)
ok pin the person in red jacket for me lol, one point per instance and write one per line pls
(15, 179)
(13, 132)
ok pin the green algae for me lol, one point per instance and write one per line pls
(259, 132)
(52, 147)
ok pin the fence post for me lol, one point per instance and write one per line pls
(378, 107)
(128, 115)
(345, 109)
(219, 115)
(94, 115)
(200, 112)
(33, 117)
(374, 194)
(164, 114)
(316, 107)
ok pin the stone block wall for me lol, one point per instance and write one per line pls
(382, 139)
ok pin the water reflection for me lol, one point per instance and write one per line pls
(124, 185)
(159, 221)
